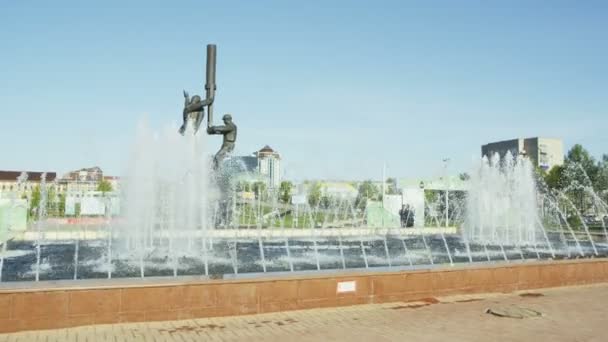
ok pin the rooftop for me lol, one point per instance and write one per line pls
(31, 175)
(266, 149)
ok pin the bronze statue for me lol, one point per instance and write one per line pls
(194, 108)
(228, 130)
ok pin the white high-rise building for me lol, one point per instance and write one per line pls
(269, 165)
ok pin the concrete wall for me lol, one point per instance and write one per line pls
(544, 153)
(550, 152)
(74, 305)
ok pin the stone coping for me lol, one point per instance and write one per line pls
(150, 282)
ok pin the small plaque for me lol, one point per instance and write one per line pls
(347, 286)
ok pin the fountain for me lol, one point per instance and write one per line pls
(178, 220)
(502, 203)
(182, 217)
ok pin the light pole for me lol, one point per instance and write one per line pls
(447, 201)
(421, 185)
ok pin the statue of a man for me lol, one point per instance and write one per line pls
(194, 107)
(228, 130)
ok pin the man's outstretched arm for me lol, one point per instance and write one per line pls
(197, 107)
(218, 129)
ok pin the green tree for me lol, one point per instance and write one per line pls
(260, 190)
(314, 194)
(285, 191)
(574, 180)
(554, 178)
(61, 205)
(431, 196)
(579, 171)
(577, 160)
(367, 191)
(325, 201)
(51, 202)
(34, 201)
(601, 182)
(104, 186)
(579, 155)
(243, 186)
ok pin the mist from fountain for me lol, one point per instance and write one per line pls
(41, 211)
(167, 196)
(502, 203)
(170, 206)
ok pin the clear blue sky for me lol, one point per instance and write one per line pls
(338, 87)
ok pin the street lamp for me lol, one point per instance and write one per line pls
(422, 214)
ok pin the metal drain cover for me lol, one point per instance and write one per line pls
(514, 312)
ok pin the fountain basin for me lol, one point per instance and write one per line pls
(61, 235)
(60, 304)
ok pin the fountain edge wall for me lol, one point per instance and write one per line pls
(55, 306)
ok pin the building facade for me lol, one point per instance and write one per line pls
(269, 166)
(83, 180)
(263, 165)
(25, 181)
(544, 153)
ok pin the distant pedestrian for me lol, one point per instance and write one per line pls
(406, 215)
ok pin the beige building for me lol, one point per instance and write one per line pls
(543, 152)
(83, 180)
(9, 181)
(269, 166)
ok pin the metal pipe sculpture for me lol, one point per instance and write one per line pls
(210, 86)
(194, 110)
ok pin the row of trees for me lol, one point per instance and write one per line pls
(261, 191)
(579, 178)
(580, 169)
(316, 195)
(55, 203)
(367, 190)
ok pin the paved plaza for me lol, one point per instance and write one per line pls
(568, 314)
